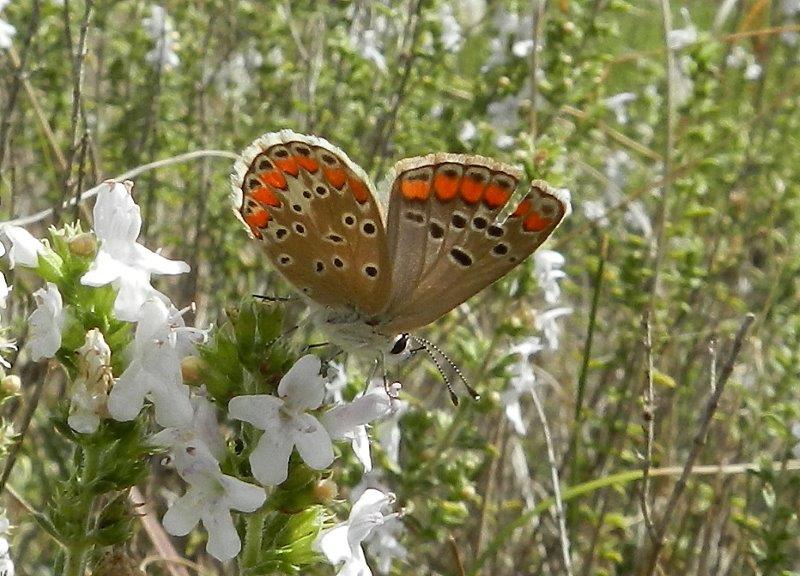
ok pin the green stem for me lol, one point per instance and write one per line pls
(75, 564)
(78, 552)
(253, 534)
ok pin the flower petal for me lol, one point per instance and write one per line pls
(104, 270)
(183, 515)
(260, 410)
(333, 544)
(313, 442)
(126, 398)
(302, 386)
(269, 461)
(134, 290)
(25, 249)
(117, 218)
(243, 496)
(172, 404)
(155, 263)
(342, 420)
(223, 539)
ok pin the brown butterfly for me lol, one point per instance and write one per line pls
(376, 265)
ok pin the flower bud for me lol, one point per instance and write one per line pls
(192, 368)
(325, 490)
(84, 244)
(10, 385)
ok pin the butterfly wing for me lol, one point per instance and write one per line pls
(315, 214)
(447, 239)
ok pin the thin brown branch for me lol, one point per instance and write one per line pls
(649, 427)
(78, 59)
(180, 158)
(22, 429)
(538, 9)
(18, 62)
(698, 443)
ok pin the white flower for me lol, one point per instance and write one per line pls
(120, 260)
(504, 116)
(160, 343)
(350, 420)
(46, 323)
(286, 423)
(203, 428)
(678, 39)
(636, 215)
(160, 29)
(384, 545)
(90, 388)
(6, 564)
(7, 32)
(25, 249)
(618, 104)
(5, 346)
(389, 434)
(368, 46)
(741, 58)
(547, 268)
(5, 290)
(521, 381)
(451, 29)
(595, 210)
(522, 474)
(467, 132)
(546, 322)
(752, 71)
(209, 499)
(342, 543)
(683, 84)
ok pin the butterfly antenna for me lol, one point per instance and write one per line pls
(427, 343)
(453, 397)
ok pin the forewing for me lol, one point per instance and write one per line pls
(315, 213)
(447, 238)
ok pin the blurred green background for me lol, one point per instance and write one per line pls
(686, 195)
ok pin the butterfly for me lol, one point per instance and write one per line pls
(375, 265)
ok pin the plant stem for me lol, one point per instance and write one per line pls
(254, 531)
(77, 552)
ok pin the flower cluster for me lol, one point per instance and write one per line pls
(305, 414)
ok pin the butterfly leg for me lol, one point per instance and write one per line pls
(265, 298)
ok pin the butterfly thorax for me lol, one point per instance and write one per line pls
(353, 331)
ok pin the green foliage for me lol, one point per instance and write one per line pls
(729, 246)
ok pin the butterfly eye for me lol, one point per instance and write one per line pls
(400, 344)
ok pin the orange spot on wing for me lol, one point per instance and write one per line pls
(307, 163)
(414, 189)
(471, 190)
(446, 187)
(523, 208)
(336, 177)
(273, 178)
(535, 222)
(496, 196)
(266, 196)
(257, 218)
(288, 165)
(360, 190)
